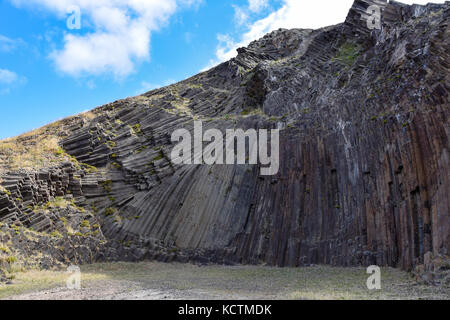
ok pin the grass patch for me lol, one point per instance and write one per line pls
(4, 191)
(116, 165)
(107, 185)
(56, 234)
(88, 168)
(29, 281)
(225, 282)
(85, 224)
(348, 53)
(110, 211)
(39, 148)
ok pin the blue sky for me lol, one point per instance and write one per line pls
(125, 47)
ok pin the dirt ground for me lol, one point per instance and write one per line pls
(159, 281)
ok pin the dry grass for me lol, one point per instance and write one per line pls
(37, 153)
(187, 281)
(89, 115)
(27, 156)
(41, 280)
(38, 148)
(3, 190)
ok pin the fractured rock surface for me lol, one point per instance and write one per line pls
(364, 157)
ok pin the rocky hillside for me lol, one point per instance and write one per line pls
(364, 155)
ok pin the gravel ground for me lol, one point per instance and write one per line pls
(158, 281)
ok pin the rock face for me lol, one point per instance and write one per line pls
(434, 271)
(364, 156)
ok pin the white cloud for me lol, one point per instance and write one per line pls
(240, 15)
(257, 5)
(8, 80)
(120, 37)
(8, 77)
(7, 44)
(305, 14)
(147, 86)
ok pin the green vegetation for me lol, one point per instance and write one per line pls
(274, 119)
(140, 149)
(110, 211)
(59, 152)
(85, 224)
(111, 144)
(116, 165)
(58, 202)
(56, 234)
(39, 148)
(348, 53)
(159, 156)
(137, 128)
(3, 190)
(94, 208)
(11, 259)
(88, 168)
(107, 185)
(4, 249)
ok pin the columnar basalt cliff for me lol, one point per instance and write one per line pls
(364, 156)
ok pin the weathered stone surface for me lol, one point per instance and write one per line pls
(364, 153)
(434, 270)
